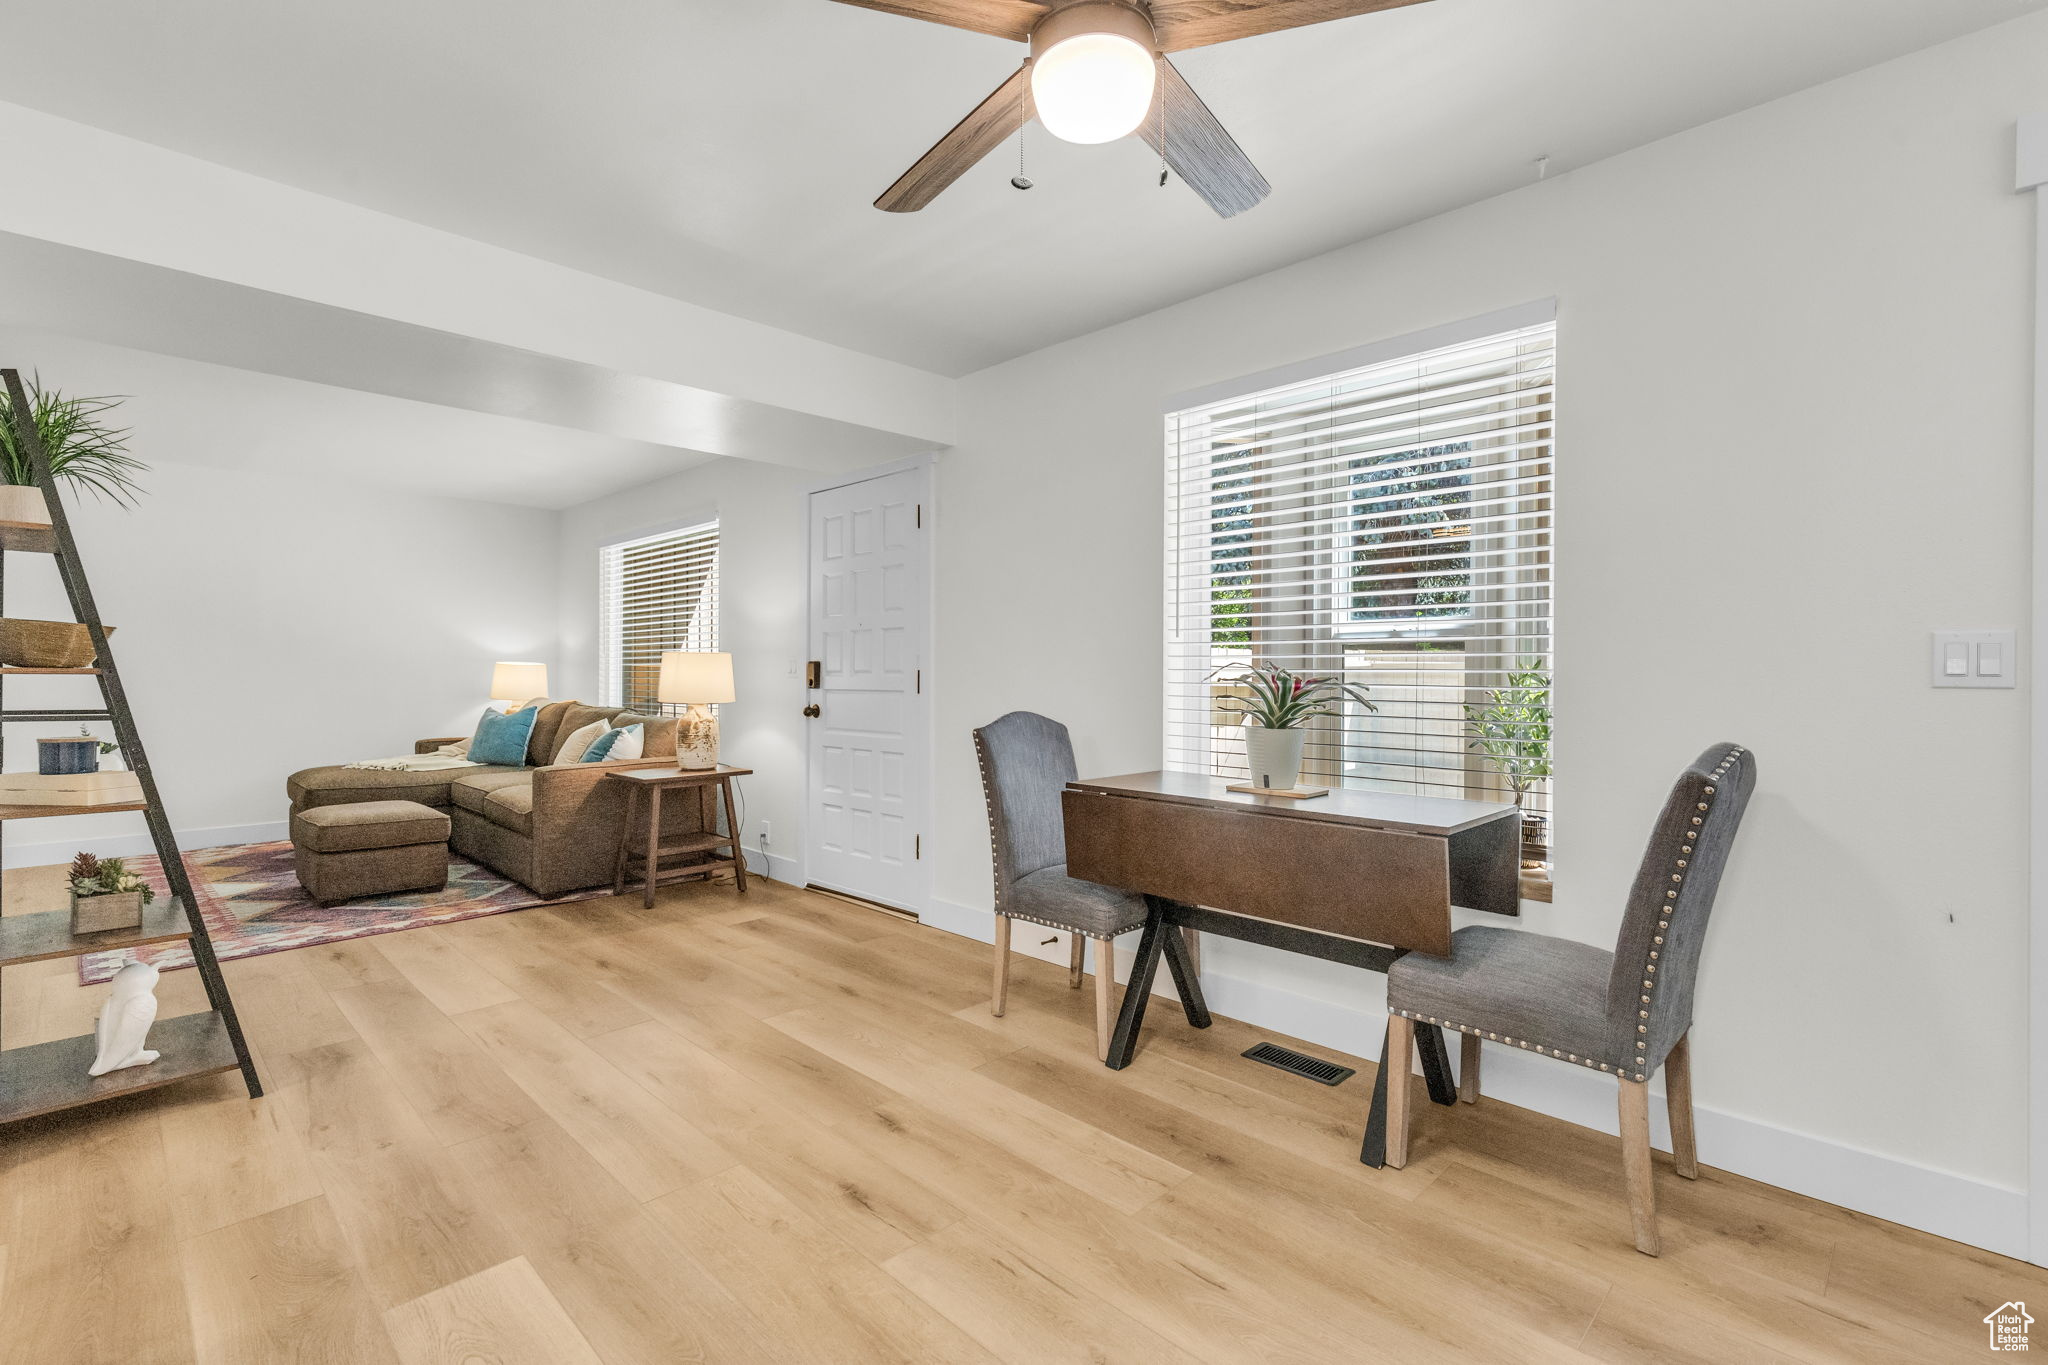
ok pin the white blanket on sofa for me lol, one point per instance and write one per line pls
(415, 763)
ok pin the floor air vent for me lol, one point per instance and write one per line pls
(1300, 1063)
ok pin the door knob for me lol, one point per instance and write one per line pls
(812, 711)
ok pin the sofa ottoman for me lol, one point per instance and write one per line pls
(369, 848)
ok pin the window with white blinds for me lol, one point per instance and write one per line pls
(656, 594)
(1389, 525)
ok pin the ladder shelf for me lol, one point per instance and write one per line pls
(48, 1077)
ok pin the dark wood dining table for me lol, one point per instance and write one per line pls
(1357, 877)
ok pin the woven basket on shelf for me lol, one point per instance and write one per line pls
(45, 644)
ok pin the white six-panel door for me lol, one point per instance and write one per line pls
(867, 629)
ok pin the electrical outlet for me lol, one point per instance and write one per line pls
(764, 834)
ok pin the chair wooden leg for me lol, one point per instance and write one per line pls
(1194, 938)
(1077, 945)
(1105, 996)
(1400, 1052)
(1635, 1164)
(1468, 1067)
(999, 996)
(1685, 1157)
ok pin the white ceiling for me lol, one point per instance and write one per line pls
(726, 153)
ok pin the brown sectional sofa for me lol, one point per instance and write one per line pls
(551, 827)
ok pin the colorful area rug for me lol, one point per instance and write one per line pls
(253, 904)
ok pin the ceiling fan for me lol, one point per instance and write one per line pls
(1097, 72)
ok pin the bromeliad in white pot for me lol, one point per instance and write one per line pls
(1276, 706)
(84, 449)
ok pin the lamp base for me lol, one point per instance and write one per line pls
(697, 738)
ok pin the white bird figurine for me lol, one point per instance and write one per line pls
(125, 1020)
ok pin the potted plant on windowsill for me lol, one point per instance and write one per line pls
(1276, 704)
(1513, 731)
(105, 895)
(83, 447)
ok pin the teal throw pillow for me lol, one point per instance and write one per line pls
(598, 750)
(501, 738)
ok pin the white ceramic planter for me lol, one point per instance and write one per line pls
(1274, 756)
(23, 503)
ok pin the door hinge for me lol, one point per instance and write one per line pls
(920, 516)
(920, 682)
(917, 846)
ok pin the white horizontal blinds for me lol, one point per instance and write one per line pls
(658, 593)
(1389, 525)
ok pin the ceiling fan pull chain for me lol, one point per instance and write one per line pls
(1161, 87)
(1021, 180)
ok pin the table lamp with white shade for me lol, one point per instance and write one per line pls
(696, 680)
(518, 682)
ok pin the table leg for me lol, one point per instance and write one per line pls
(1186, 977)
(653, 850)
(1374, 1151)
(732, 826)
(1139, 988)
(1436, 1063)
(625, 842)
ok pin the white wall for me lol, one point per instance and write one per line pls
(760, 509)
(1794, 412)
(267, 622)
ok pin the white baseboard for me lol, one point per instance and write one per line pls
(774, 865)
(137, 842)
(1947, 1205)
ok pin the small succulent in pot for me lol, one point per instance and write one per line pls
(105, 895)
(92, 875)
(1281, 702)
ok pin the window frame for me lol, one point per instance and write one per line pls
(1504, 557)
(611, 629)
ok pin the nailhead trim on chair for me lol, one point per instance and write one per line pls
(1559, 1053)
(1649, 978)
(988, 804)
(1068, 928)
(1641, 1072)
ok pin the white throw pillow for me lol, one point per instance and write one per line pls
(628, 744)
(572, 748)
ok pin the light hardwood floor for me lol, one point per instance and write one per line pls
(783, 1129)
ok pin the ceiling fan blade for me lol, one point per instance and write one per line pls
(1200, 152)
(1182, 24)
(972, 138)
(1004, 18)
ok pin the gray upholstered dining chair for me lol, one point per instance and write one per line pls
(1626, 1012)
(1026, 760)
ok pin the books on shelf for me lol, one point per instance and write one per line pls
(70, 789)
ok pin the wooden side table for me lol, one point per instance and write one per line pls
(703, 848)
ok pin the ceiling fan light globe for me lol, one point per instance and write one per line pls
(1093, 87)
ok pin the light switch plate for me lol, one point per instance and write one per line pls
(1988, 656)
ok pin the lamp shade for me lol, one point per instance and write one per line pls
(691, 678)
(518, 681)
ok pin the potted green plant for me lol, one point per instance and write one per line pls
(83, 446)
(106, 895)
(1513, 731)
(1276, 704)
